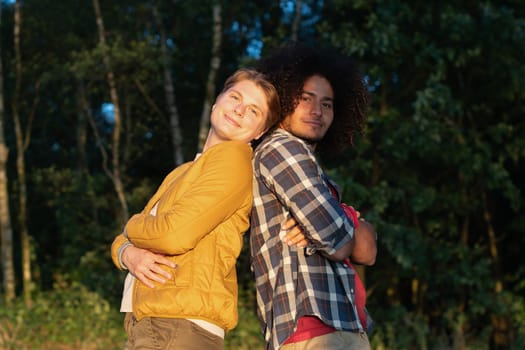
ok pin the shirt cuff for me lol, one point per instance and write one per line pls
(119, 254)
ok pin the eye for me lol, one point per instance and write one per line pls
(235, 96)
(327, 105)
(254, 112)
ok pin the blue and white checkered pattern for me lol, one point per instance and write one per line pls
(293, 282)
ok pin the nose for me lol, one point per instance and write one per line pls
(316, 108)
(239, 109)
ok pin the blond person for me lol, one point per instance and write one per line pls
(183, 246)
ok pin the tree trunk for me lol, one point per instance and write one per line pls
(6, 229)
(81, 135)
(459, 340)
(297, 20)
(502, 333)
(169, 91)
(21, 145)
(115, 175)
(215, 63)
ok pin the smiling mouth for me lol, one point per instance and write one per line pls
(231, 121)
(312, 123)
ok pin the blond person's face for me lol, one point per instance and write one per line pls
(239, 113)
(314, 112)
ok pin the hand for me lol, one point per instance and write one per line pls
(294, 235)
(146, 265)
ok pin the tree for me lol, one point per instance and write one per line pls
(114, 174)
(169, 91)
(297, 20)
(23, 137)
(6, 229)
(215, 62)
(436, 167)
(439, 169)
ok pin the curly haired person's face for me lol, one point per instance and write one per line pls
(314, 113)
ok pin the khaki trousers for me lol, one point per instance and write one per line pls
(337, 340)
(155, 333)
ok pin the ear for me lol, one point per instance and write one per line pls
(213, 107)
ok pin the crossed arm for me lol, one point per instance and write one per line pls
(362, 249)
(146, 265)
(291, 172)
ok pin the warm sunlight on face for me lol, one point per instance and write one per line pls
(239, 113)
(315, 111)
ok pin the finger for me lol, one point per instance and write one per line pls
(153, 276)
(156, 269)
(290, 223)
(142, 278)
(302, 243)
(160, 259)
(290, 235)
(295, 236)
(155, 273)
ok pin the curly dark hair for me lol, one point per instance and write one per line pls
(289, 66)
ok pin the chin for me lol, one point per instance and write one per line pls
(311, 138)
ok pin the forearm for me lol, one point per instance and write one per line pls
(300, 188)
(199, 201)
(364, 251)
(342, 253)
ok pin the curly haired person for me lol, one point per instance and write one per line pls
(309, 297)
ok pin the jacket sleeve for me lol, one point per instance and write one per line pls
(221, 188)
(118, 244)
(291, 172)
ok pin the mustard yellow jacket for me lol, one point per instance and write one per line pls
(203, 211)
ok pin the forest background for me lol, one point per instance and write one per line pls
(100, 99)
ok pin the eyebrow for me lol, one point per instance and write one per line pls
(325, 98)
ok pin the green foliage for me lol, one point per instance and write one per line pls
(74, 318)
(247, 335)
(439, 169)
(400, 329)
(63, 318)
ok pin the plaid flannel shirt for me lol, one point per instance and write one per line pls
(292, 282)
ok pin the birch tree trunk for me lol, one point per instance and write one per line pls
(169, 91)
(115, 173)
(215, 63)
(6, 229)
(81, 128)
(297, 20)
(22, 142)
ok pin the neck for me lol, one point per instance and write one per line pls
(211, 140)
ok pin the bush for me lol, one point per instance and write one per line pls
(76, 318)
(72, 318)
(247, 335)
